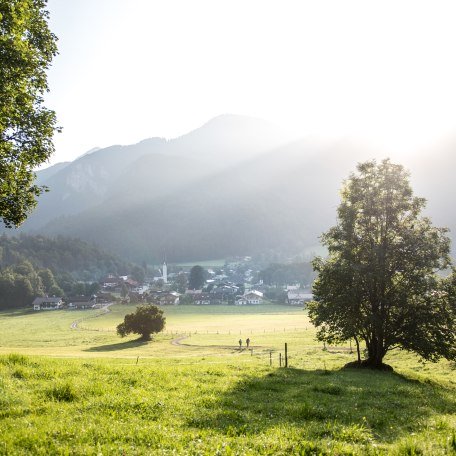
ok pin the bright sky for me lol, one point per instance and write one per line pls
(132, 69)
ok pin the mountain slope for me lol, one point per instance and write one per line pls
(129, 172)
(232, 187)
(272, 202)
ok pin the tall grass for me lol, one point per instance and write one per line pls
(242, 406)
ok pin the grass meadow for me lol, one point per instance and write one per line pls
(193, 391)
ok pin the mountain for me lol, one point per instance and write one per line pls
(235, 186)
(86, 181)
(44, 174)
(149, 168)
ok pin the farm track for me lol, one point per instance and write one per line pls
(104, 310)
(178, 342)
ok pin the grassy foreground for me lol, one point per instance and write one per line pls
(94, 396)
(55, 406)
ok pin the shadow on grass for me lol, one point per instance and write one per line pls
(18, 312)
(119, 346)
(349, 405)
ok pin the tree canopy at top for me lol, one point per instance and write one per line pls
(27, 47)
(379, 283)
(196, 278)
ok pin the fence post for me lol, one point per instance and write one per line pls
(286, 354)
(270, 358)
(280, 359)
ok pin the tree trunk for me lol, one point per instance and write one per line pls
(357, 350)
(375, 354)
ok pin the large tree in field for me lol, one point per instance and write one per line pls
(26, 127)
(379, 283)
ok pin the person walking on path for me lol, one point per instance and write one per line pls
(240, 344)
(247, 341)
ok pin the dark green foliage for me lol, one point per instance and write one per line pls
(68, 259)
(196, 278)
(334, 390)
(186, 299)
(34, 266)
(379, 283)
(138, 273)
(50, 285)
(21, 283)
(146, 320)
(453, 442)
(15, 359)
(78, 289)
(275, 294)
(62, 392)
(19, 286)
(26, 126)
(449, 288)
(180, 283)
(92, 288)
(123, 291)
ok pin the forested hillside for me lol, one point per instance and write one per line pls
(32, 266)
(61, 255)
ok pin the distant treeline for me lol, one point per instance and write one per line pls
(22, 283)
(32, 266)
(80, 260)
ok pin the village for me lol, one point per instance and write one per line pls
(233, 284)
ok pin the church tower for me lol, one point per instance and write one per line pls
(165, 272)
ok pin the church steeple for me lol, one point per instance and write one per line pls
(164, 270)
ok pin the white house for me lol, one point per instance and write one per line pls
(298, 297)
(82, 302)
(251, 297)
(193, 292)
(141, 289)
(47, 303)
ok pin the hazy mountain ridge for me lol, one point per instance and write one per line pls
(232, 187)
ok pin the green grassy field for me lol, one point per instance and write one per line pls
(192, 391)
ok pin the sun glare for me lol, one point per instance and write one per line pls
(379, 73)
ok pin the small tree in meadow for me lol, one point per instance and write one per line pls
(146, 320)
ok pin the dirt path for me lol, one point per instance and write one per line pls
(104, 310)
(178, 341)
